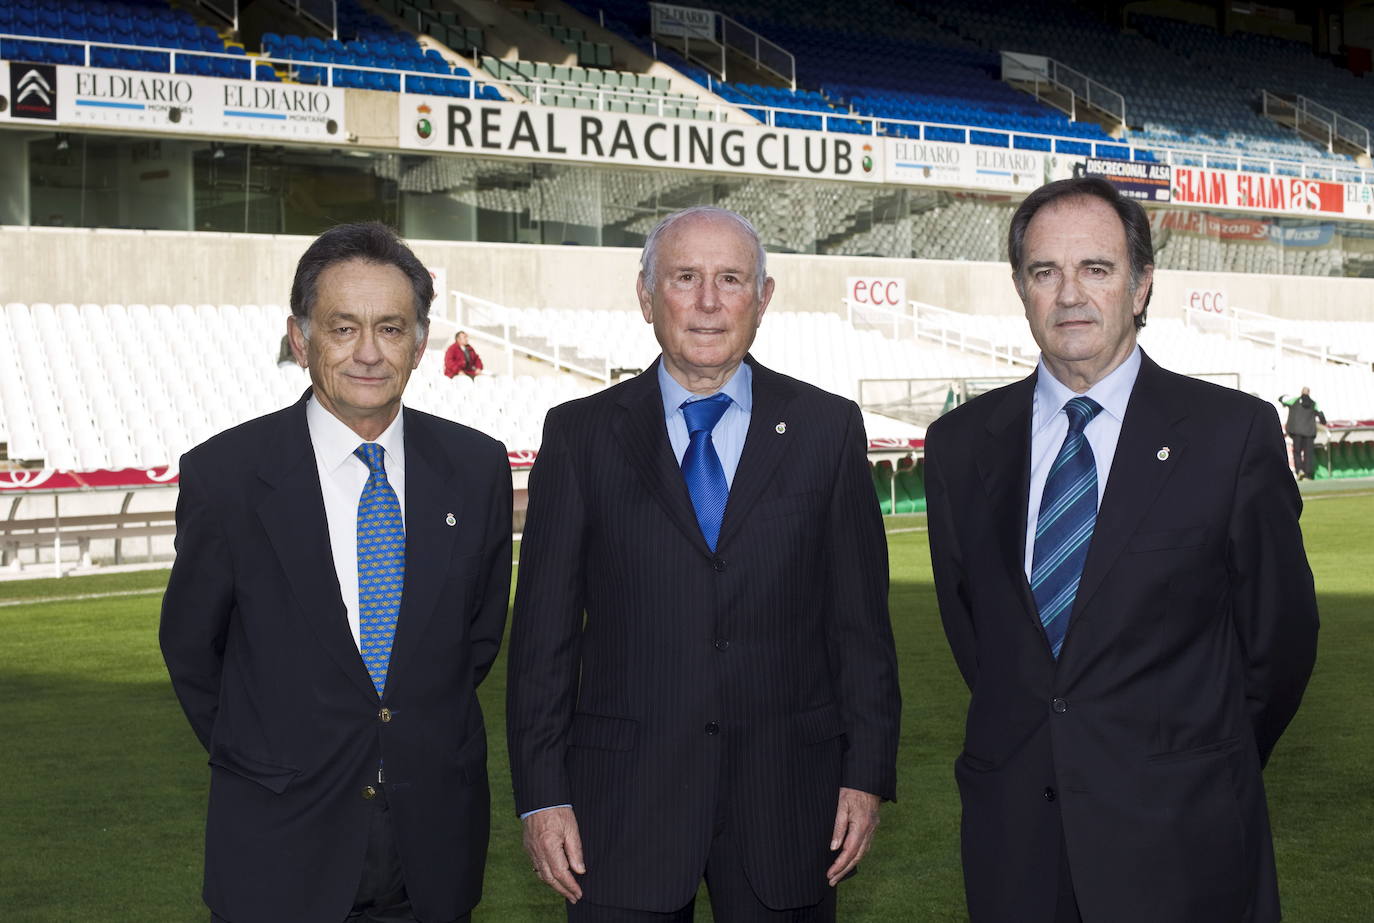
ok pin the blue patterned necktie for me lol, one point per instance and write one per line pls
(381, 564)
(1064, 528)
(701, 465)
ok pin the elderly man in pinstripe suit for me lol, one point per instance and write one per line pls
(702, 675)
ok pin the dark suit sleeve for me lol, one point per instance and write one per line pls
(546, 634)
(858, 626)
(1273, 600)
(196, 606)
(947, 564)
(491, 604)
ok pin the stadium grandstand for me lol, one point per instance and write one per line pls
(163, 164)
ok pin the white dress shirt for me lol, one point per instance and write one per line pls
(1050, 424)
(343, 476)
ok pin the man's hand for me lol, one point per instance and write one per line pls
(856, 819)
(555, 848)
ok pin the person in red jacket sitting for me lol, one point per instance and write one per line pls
(460, 357)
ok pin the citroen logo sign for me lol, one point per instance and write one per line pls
(32, 84)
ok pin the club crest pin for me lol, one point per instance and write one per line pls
(780, 428)
(1163, 453)
(451, 519)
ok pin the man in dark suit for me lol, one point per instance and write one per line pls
(1123, 583)
(702, 677)
(339, 592)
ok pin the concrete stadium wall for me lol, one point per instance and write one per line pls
(110, 266)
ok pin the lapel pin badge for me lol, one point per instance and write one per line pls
(1163, 454)
(780, 428)
(451, 519)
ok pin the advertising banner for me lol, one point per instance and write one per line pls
(509, 130)
(1227, 189)
(889, 293)
(101, 98)
(936, 163)
(691, 22)
(1148, 182)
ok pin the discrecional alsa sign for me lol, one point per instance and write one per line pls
(512, 130)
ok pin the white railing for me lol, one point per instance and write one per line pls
(490, 322)
(828, 121)
(951, 329)
(1039, 70)
(1278, 333)
(714, 33)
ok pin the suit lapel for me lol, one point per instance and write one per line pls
(1137, 474)
(1004, 464)
(644, 438)
(429, 537)
(293, 516)
(763, 450)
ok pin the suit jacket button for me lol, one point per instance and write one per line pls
(1050, 794)
(722, 644)
(718, 564)
(712, 727)
(385, 715)
(369, 792)
(1059, 705)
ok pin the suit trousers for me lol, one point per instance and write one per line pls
(1303, 460)
(381, 896)
(732, 897)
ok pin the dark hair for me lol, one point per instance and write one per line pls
(1133, 220)
(372, 242)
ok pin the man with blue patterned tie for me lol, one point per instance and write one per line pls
(1122, 580)
(339, 592)
(702, 680)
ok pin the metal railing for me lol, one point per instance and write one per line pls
(490, 322)
(830, 121)
(705, 36)
(1311, 118)
(1040, 71)
(1280, 334)
(940, 326)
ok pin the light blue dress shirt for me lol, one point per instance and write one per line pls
(728, 436)
(1050, 424)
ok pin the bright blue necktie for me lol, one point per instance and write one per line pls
(701, 465)
(1064, 528)
(381, 564)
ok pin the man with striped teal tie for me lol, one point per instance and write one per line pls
(339, 592)
(1122, 580)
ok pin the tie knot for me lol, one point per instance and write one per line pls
(372, 454)
(703, 415)
(1080, 411)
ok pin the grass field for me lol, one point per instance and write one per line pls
(100, 819)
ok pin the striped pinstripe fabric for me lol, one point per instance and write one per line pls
(1064, 530)
(381, 564)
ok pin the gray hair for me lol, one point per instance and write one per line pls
(649, 257)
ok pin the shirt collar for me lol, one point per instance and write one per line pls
(1113, 392)
(739, 387)
(335, 442)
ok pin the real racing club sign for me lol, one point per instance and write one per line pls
(544, 133)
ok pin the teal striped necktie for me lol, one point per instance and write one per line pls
(1064, 528)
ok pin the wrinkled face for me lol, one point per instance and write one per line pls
(363, 343)
(704, 303)
(1075, 284)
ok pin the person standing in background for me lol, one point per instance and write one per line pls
(1301, 427)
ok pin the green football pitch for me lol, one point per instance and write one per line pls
(101, 814)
